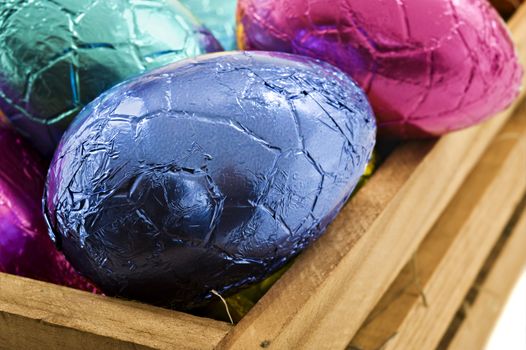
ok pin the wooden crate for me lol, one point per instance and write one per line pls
(440, 225)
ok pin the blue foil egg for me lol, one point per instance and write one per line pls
(219, 17)
(58, 55)
(208, 174)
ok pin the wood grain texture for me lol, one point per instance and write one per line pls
(493, 294)
(418, 307)
(37, 315)
(319, 303)
(327, 294)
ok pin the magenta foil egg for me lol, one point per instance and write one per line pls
(428, 67)
(25, 247)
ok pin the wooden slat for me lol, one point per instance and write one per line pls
(419, 305)
(329, 291)
(482, 276)
(493, 294)
(37, 315)
(315, 294)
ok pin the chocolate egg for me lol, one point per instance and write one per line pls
(428, 67)
(57, 55)
(208, 174)
(25, 247)
(219, 17)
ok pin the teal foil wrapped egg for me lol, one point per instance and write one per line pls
(219, 16)
(58, 55)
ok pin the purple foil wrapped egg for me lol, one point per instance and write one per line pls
(428, 67)
(207, 174)
(25, 247)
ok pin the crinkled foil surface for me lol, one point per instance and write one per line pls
(25, 247)
(207, 174)
(58, 55)
(428, 67)
(219, 16)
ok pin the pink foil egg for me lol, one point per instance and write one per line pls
(428, 67)
(25, 247)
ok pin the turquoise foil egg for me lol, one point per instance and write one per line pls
(58, 55)
(219, 16)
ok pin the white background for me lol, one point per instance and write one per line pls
(510, 331)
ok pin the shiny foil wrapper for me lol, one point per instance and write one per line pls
(58, 55)
(240, 303)
(428, 67)
(219, 16)
(208, 174)
(25, 247)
